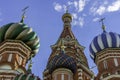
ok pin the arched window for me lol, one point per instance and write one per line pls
(105, 64)
(0, 58)
(10, 57)
(116, 62)
(62, 76)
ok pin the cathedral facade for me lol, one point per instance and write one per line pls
(19, 43)
(68, 62)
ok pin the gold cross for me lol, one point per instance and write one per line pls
(23, 15)
(101, 20)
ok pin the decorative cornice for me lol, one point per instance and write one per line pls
(8, 71)
(107, 53)
(111, 76)
(10, 46)
(86, 69)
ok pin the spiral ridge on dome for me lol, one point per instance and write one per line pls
(20, 31)
(26, 77)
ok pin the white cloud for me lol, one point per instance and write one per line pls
(81, 21)
(94, 8)
(96, 19)
(75, 4)
(114, 7)
(64, 7)
(75, 22)
(75, 16)
(81, 5)
(58, 7)
(78, 6)
(70, 3)
(101, 10)
(78, 22)
(105, 2)
(105, 7)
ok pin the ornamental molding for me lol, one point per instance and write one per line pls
(106, 55)
(85, 69)
(111, 76)
(15, 46)
(107, 58)
(107, 50)
(63, 71)
(15, 41)
(12, 44)
(72, 42)
(8, 71)
(12, 52)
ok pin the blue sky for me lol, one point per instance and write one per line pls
(44, 16)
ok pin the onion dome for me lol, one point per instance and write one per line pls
(103, 41)
(20, 31)
(67, 15)
(62, 61)
(26, 77)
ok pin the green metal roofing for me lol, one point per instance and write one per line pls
(20, 31)
(26, 77)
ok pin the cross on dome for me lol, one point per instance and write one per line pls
(103, 26)
(23, 14)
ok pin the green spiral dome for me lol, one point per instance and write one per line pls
(26, 77)
(20, 31)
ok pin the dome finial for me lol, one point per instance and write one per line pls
(67, 7)
(23, 15)
(103, 26)
(67, 17)
(30, 65)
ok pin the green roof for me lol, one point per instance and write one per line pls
(20, 31)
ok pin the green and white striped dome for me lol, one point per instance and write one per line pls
(26, 77)
(20, 31)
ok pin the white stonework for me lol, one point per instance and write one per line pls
(5, 66)
(115, 61)
(10, 57)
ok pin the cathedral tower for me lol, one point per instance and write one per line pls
(18, 43)
(67, 60)
(105, 51)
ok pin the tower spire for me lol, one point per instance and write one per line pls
(103, 26)
(23, 14)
